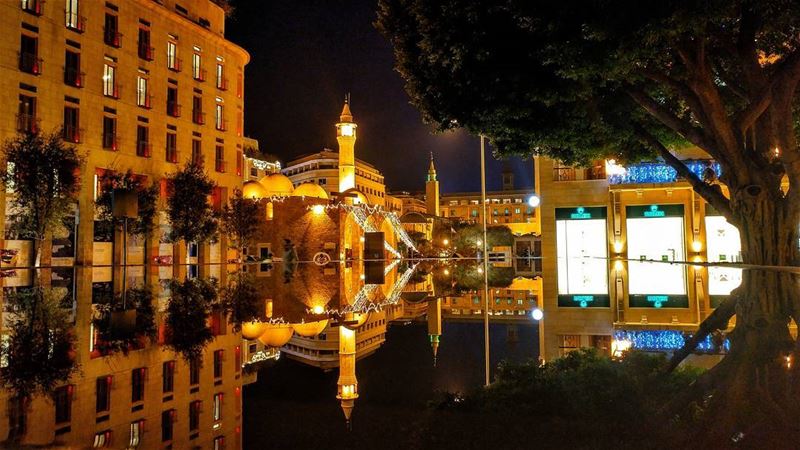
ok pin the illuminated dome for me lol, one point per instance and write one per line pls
(252, 330)
(310, 190)
(254, 190)
(360, 318)
(277, 184)
(310, 329)
(276, 335)
(359, 198)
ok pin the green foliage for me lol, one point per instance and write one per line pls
(148, 196)
(190, 214)
(113, 340)
(240, 219)
(240, 299)
(466, 236)
(39, 352)
(44, 175)
(188, 309)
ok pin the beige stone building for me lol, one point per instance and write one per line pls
(147, 86)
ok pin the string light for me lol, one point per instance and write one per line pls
(666, 340)
(660, 173)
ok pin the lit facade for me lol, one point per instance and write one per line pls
(255, 167)
(146, 86)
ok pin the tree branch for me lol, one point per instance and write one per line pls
(695, 135)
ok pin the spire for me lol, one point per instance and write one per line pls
(434, 346)
(346, 115)
(431, 170)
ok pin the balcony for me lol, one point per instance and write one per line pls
(27, 123)
(220, 166)
(222, 84)
(112, 91)
(33, 6)
(199, 74)
(144, 101)
(198, 117)
(112, 37)
(657, 172)
(30, 63)
(144, 149)
(73, 77)
(72, 134)
(145, 51)
(75, 21)
(110, 141)
(172, 155)
(173, 109)
(174, 64)
(579, 174)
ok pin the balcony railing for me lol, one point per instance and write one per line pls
(655, 172)
(174, 109)
(145, 51)
(174, 64)
(563, 174)
(220, 165)
(112, 91)
(222, 84)
(27, 123)
(33, 6)
(112, 37)
(72, 134)
(145, 101)
(75, 21)
(110, 141)
(578, 173)
(144, 149)
(30, 63)
(172, 155)
(198, 117)
(73, 77)
(199, 74)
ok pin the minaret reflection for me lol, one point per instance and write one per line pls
(435, 325)
(347, 384)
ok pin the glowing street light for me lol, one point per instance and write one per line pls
(446, 241)
(537, 314)
(534, 201)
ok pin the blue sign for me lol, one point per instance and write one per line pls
(583, 300)
(580, 213)
(657, 300)
(654, 212)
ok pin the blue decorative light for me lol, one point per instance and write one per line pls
(651, 172)
(666, 340)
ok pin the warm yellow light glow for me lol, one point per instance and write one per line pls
(347, 129)
(697, 246)
(361, 276)
(446, 272)
(318, 309)
(479, 242)
(617, 247)
(618, 266)
(612, 168)
(619, 347)
(446, 241)
(480, 269)
(361, 239)
(318, 209)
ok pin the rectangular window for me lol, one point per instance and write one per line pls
(167, 419)
(219, 117)
(172, 147)
(29, 60)
(102, 439)
(103, 393)
(71, 125)
(239, 163)
(582, 251)
(238, 359)
(217, 413)
(194, 415)
(109, 133)
(137, 384)
(145, 50)
(137, 430)
(198, 116)
(194, 372)
(218, 357)
(62, 398)
(167, 376)
(173, 63)
(219, 443)
(173, 107)
(72, 69)
(219, 159)
(26, 114)
(654, 284)
(73, 19)
(197, 152)
(111, 34)
(197, 68)
(143, 98)
(110, 88)
(143, 141)
(222, 82)
(32, 6)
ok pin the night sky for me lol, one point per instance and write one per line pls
(306, 55)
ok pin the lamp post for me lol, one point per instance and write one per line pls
(485, 264)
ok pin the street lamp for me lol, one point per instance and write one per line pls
(534, 201)
(537, 314)
(446, 241)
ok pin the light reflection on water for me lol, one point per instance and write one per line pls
(416, 321)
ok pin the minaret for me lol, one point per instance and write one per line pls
(435, 325)
(347, 384)
(346, 136)
(432, 190)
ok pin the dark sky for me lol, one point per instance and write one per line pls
(306, 55)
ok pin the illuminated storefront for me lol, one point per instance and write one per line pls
(656, 233)
(722, 245)
(582, 249)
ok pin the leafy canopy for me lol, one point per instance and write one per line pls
(189, 306)
(148, 197)
(240, 219)
(190, 214)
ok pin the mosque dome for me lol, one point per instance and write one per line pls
(277, 184)
(360, 198)
(360, 318)
(310, 329)
(252, 330)
(276, 335)
(310, 190)
(253, 190)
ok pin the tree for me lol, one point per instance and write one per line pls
(112, 339)
(189, 306)
(633, 80)
(191, 216)
(241, 300)
(148, 197)
(44, 175)
(240, 220)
